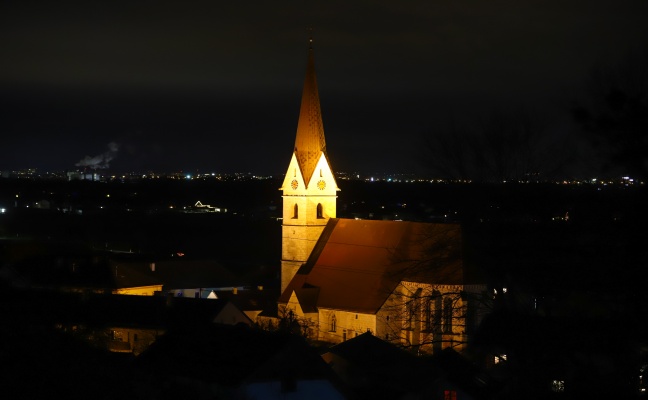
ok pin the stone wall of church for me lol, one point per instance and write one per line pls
(336, 326)
(297, 242)
(425, 317)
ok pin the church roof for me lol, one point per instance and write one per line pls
(356, 264)
(309, 141)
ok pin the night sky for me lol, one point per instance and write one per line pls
(213, 86)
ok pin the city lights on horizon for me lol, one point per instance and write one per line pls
(33, 173)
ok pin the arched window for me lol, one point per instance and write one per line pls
(295, 212)
(320, 213)
(333, 322)
(447, 315)
(428, 311)
(436, 321)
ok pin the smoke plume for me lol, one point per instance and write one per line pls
(100, 161)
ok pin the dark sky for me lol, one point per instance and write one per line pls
(215, 86)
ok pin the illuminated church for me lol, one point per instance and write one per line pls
(403, 281)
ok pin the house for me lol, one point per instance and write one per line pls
(238, 362)
(130, 324)
(374, 368)
(186, 278)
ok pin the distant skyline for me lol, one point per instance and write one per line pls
(210, 87)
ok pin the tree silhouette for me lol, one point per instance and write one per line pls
(615, 115)
(438, 303)
(501, 147)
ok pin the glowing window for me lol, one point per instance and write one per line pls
(449, 395)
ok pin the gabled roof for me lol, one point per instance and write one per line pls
(307, 296)
(250, 300)
(378, 369)
(372, 352)
(356, 264)
(177, 274)
(152, 311)
(309, 141)
(233, 355)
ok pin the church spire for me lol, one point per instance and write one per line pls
(309, 143)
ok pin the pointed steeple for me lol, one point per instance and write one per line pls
(309, 143)
(309, 191)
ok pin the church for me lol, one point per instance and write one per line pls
(404, 282)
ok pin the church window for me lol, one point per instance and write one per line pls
(295, 212)
(437, 311)
(447, 315)
(333, 323)
(428, 315)
(320, 213)
(411, 313)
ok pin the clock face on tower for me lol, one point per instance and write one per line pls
(294, 184)
(321, 184)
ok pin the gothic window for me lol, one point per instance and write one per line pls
(295, 212)
(428, 315)
(437, 311)
(411, 313)
(333, 323)
(447, 315)
(319, 211)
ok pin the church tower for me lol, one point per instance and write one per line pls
(309, 188)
